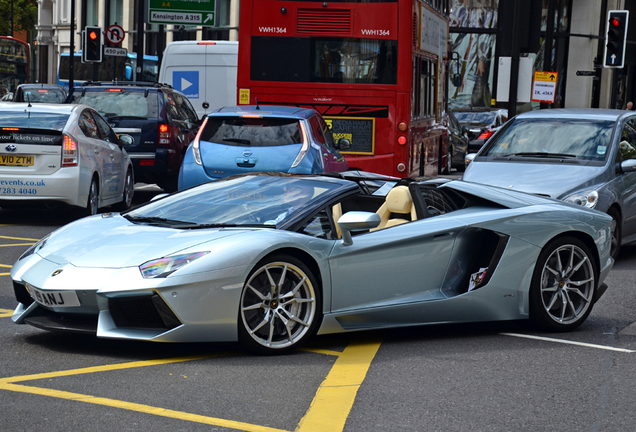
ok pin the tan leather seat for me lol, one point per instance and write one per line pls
(398, 200)
(336, 212)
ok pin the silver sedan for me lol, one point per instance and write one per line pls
(52, 153)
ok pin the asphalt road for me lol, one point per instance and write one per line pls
(486, 377)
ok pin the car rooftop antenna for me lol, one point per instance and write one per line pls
(257, 107)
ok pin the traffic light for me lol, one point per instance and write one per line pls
(615, 38)
(93, 44)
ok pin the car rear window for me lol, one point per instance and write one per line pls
(43, 95)
(581, 139)
(255, 132)
(33, 120)
(111, 102)
(486, 117)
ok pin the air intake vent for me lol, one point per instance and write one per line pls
(326, 22)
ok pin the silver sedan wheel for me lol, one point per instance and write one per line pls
(93, 198)
(278, 306)
(567, 285)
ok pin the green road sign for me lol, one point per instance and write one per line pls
(182, 12)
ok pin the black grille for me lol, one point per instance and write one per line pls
(21, 294)
(147, 312)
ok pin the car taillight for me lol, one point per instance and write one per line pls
(164, 134)
(69, 152)
(196, 151)
(486, 134)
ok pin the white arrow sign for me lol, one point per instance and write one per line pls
(185, 84)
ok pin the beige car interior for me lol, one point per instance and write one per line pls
(397, 201)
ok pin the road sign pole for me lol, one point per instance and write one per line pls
(140, 39)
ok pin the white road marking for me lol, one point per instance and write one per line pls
(587, 345)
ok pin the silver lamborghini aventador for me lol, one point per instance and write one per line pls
(272, 259)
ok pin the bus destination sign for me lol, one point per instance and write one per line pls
(182, 12)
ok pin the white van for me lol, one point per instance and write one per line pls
(204, 71)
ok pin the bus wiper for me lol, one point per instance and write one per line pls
(238, 140)
(542, 154)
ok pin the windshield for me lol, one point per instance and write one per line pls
(111, 102)
(239, 201)
(580, 139)
(255, 132)
(486, 117)
(34, 120)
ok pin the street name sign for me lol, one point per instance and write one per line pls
(182, 12)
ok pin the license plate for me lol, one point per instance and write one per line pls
(54, 298)
(16, 160)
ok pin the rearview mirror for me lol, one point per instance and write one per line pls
(343, 144)
(126, 140)
(356, 221)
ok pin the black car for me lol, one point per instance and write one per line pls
(161, 120)
(39, 93)
(481, 124)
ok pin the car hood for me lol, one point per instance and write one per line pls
(555, 180)
(114, 242)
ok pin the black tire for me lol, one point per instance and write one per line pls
(170, 185)
(617, 233)
(92, 204)
(563, 285)
(280, 306)
(128, 193)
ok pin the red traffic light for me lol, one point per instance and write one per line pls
(92, 35)
(615, 22)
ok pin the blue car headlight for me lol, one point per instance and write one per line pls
(587, 198)
(163, 267)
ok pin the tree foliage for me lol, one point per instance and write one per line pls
(25, 15)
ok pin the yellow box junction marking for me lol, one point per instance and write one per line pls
(5, 266)
(30, 240)
(328, 411)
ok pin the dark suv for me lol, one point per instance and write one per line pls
(161, 120)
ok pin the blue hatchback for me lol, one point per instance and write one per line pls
(243, 139)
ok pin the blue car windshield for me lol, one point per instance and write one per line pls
(574, 138)
(239, 201)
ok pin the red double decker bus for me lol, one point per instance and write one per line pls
(15, 60)
(375, 69)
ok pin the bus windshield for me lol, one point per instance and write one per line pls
(330, 60)
(110, 69)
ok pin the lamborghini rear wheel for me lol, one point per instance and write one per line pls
(280, 306)
(563, 285)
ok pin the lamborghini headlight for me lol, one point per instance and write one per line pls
(33, 249)
(587, 198)
(163, 267)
